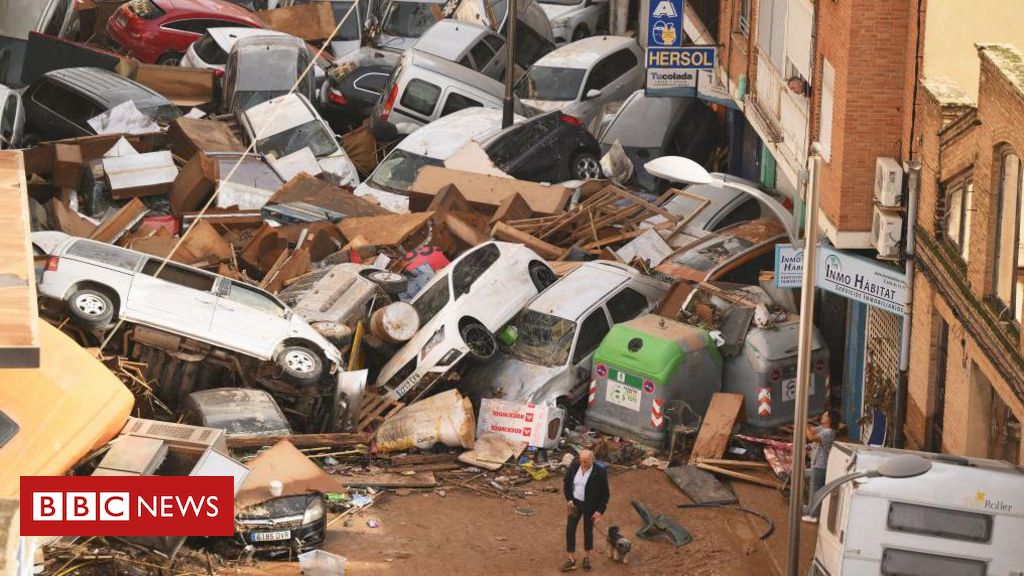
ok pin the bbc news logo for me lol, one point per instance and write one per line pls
(127, 505)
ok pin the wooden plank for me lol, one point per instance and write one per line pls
(388, 230)
(418, 480)
(733, 463)
(740, 476)
(700, 485)
(717, 426)
(332, 440)
(19, 315)
(503, 231)
(111, 229)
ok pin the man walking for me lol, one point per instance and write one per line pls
(586, 493)
(822, 438)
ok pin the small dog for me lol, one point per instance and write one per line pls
(618, 545)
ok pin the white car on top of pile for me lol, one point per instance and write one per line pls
(460, 309)
(573, 20)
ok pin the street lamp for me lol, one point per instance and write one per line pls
(902, 466)
(680, 169)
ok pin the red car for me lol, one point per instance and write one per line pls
(160, 31)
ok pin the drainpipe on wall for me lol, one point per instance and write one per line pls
(900, 407)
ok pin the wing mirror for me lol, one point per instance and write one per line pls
(592, 93)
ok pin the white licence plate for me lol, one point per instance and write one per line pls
(789, 390)
(623, 395)
(271, 536)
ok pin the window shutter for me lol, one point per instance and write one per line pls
(798, 36)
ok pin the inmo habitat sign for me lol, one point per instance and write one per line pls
(856, 277)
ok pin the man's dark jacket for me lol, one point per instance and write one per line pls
(596, 493)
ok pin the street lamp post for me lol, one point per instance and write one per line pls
(510, 63)
(901, 466)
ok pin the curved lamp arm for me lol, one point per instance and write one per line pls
(827, 489)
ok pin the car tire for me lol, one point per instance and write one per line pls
(481, 343)
(585, 166)
(170, 59)
(91, 309)
(300, 365)
(580, 32)
(391, 282)
(542, 276)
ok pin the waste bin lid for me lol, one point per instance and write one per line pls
(651, 345)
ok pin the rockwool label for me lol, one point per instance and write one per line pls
(537, 425)
(127, 506)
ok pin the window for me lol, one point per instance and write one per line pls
(626, 305)
(749, 271)
(196, 26)
(455, 102)
(372, 82)
(482, 55)
(209, 51)
(432, 300)
(610, 69)
(959, 205)
(744, 17)
(750, 209)
(833, 512)
(771, 31)
(105, 253)
(530, 46)
(420, 97)
(504, 150)
(907, 563)
(61, 101)
(255, 299)
(1008, 286)
(9, 118)
(591, 332)
(828, 87)
(939, 522)
(471, 267)
(495, 42)
(8, 428)
(179, 275)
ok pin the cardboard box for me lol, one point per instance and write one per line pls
(181, 85)
(140, 175)
(486, 193)
(311, 22)
(67, 165)
(194, 184)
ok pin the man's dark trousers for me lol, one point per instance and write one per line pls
(579, 510)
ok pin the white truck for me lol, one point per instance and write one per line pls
(964, 517)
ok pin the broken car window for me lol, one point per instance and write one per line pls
(432, 300)
(311, 134)
(179, 275)
(546, 83)
(254, 299)
(104, 253)
(542, 338)
(471, 267)
(410, 19)
(398, 171)
(592, 332)
(626, 305)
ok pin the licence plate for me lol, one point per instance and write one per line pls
(789, 390)
(623, 395)
(271, 536)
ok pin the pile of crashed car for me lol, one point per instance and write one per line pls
(198, 220)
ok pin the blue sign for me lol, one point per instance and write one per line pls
(665, 23)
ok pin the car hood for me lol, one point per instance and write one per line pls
(549, 105)
(555, 11)
(512, 379)
(397, 44)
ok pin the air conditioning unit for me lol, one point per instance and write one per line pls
(888, 182)
(181, 436)
(886, 232)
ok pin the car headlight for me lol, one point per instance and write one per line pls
(436, 339)
(314, 512)
(449, 357)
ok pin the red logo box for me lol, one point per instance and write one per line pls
(127, 506)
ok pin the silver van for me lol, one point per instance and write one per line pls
(424, 87)
(101, 283)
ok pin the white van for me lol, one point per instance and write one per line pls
(964, 517)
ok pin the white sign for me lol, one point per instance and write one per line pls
(624, 395)
(856, 277)
(536, 424)
(789, 390)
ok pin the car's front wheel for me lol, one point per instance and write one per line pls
(300, 365)
(479, 340)
(586, 166)
(90, 308)
(170, 59)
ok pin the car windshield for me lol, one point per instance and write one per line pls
(245, 99)
(410, 19)
(350, 29)
(703, 258)
(398, 171)
(542, 338)
(432, 300)
(312, 134)
(546, 83)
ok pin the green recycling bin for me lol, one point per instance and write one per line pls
(644, 365)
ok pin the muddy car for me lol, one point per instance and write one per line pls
(285, 525)
(554, 338)
(239, 412)
(736, 254)
(460, 309)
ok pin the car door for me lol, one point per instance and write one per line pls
(455, 101)
(180, 299)
(591, 332)
(248, 319)
(482, 55)
(495, 68)
(12, 122)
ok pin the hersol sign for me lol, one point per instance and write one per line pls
(127, 505)
(855, 277)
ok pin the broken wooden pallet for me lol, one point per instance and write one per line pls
(376, 409)
(715, 431)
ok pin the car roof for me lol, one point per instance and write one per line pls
(263, 41)
(454, 71)
(218, 7)
(582, 54)
(107, 87)
(576, 292)
(227, 36)
(449, 38)
(444, 136)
